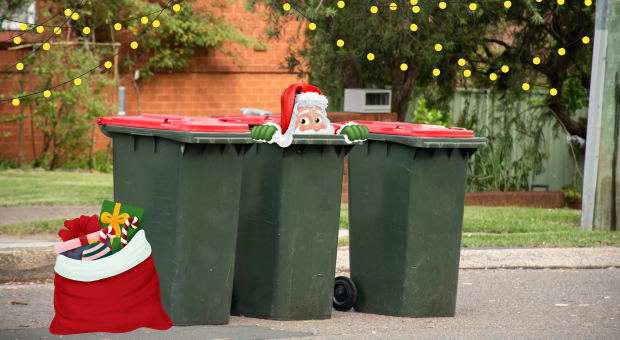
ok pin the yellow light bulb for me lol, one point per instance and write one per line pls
(413, 27)
(443, 5)
(505, 68)
(588, 3)
(536, 61)
(393, 6)
(86, 30)
(176, 8)
(312, 26)
(436, 72)
(134, 45)
(46, 46)
(16, 102)
(77, 81)
(560, 2)
(156, 23)
(461, 62)
(118, 26)
(75, 16)
(414, 2)
(144, 20)
(415, 9)
(473, 7)
(370, 56)
(40, 29)
(57, 30)
(374, 9)
(23, 27)
(507, 4)
(585, 40)
(68, 12)
(47, 93)
(108, 64)
(525, 87)
(340, 43)
(553, 92)
(19, 66)
(561, 51)
(17, 40)
(493, 76)
(286, 6)
(437, 47)
(404, 67)
(467, 73)
(340, 4)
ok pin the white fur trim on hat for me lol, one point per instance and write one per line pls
(346, 138)
(282, 140)
(311, 96)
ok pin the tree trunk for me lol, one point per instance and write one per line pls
(573, 127)
(352, 75)
(402, 87)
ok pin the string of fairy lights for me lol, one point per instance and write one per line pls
(71, 13)
(467, 72)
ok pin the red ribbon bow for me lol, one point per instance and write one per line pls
(80, 227)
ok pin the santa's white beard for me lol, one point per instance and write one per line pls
(327, 131)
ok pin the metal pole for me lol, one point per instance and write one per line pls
(597, 200)
(121, 101)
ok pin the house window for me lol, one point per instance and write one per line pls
(14, 19)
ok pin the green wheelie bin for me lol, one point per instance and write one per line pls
(186, 172)
(406, 201)
(287, 240)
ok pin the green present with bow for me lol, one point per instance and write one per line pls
(125, 219)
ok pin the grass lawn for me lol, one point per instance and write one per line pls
(32, 228)
(521, 227)
(54, 188)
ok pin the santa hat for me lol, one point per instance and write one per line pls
(297, 93)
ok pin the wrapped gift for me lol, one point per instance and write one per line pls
(114, 214)
(75, 248)
(79, 227)
(100, 249)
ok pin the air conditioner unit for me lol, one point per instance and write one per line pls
(367, 100)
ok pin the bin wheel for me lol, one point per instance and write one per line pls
(345, 294)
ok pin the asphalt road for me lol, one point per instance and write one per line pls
(492, 304)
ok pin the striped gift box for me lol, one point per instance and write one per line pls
(96, 251)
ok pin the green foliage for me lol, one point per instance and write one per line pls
(66, 118)
(386, 33)
(530, 30)
(424, 115)
(496, 168)
(83, 161)
(171, 45)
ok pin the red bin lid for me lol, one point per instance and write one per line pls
(416, 130)
(250, 120)
(175, 123)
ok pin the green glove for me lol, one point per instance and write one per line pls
(355, 132)
(263, 132)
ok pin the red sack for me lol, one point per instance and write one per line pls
(90, 296)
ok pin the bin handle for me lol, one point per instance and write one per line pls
(457, 128)
(172, 122)
(398, 128)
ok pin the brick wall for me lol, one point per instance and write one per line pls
(211, 85)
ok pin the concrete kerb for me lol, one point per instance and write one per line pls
(26, 264)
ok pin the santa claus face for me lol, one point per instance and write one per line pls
(309, 120)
